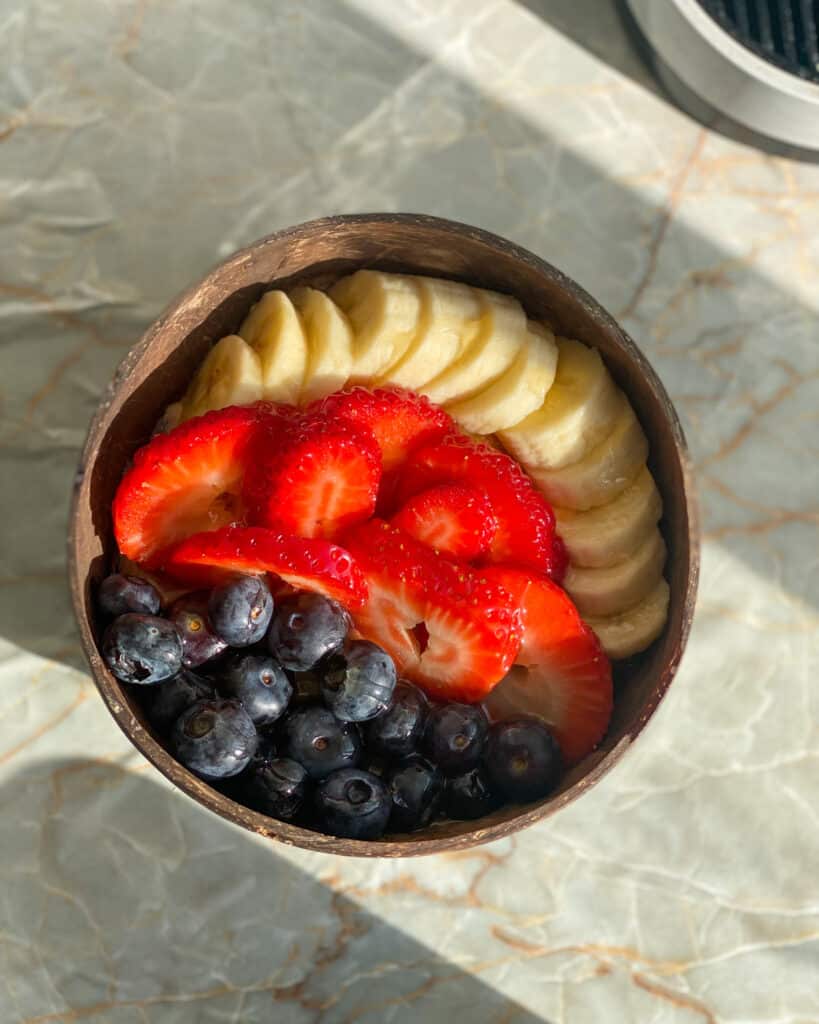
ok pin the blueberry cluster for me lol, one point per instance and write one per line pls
(291, 716)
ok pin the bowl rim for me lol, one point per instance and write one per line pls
(260, 824)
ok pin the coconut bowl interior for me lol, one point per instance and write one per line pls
(158, 369)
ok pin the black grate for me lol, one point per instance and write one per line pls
(783, 32)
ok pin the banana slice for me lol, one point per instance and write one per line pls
(170, 418)
(517, 392)
(329, 343)
(632, 631)
(273, 330)
(450, 321)
(500, 338)
(611, 533)
(577, 414)
(488, 440)
(615, 588)
(231, 374)
(384, 311)
(602, 473)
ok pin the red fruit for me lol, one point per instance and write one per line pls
(399, 419)
(447, 628)
(559, 561)
(526, 523)
(313, 481)
(561, 673)
(184, 481)
(457, 521)
(304, 563)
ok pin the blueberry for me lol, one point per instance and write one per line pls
(240, 611)
(315, 738)
(306, 628)
(142, 648)
(353, 804)
(398, 731)
(277, 787)
(119, 594)
(166, 703)
(267, 748)
(306, 689)
(470, 795)
(358, 682)
(522, 758)
(215, 738)
(375, 765)
(455, 735)
(260, 683)
(189, 613)
(416, 788)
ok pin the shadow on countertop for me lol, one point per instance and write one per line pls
(602, 27)
(123, 898)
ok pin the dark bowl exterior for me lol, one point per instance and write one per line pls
(156, 371)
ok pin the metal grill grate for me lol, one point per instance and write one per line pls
(783, 32)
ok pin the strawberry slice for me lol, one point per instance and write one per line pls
(526, 524)
(561, 673)
(447, 627)
(455, 520)
(559, 561)
(314, 480)
(185, 481)
(304, 563)
(400, 420)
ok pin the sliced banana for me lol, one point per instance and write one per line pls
(231, 374)
(450, 321)
(329, 343)
(577, 414)
(273, 330)
(604, 472)
(488, 440)
(633, 630)
(515, 393)
(613, 589)
(610, 533)
(170, 418)
(501, 336)
(384, 311)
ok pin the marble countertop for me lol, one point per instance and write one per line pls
(142, 141)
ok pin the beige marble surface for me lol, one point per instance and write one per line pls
(140, 142)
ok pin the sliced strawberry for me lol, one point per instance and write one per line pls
(526, 523)
(455, 520)
(399, 419)
(314, 480)
(559, 562)
(561, 673)
(448, 628)
(303, 563)
(185, 481)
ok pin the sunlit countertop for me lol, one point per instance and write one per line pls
(142, 141)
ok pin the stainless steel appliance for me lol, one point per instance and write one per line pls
(754, 61)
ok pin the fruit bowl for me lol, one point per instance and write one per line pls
(157, 370)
